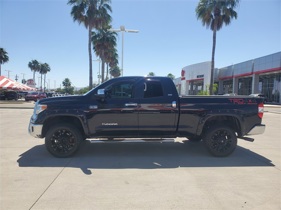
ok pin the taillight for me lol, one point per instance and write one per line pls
(261, 110)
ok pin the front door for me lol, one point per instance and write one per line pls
(117, 114)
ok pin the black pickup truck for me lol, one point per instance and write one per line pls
(145, 107)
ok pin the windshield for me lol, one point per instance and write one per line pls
(101, 86)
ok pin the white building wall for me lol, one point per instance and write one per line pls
(196, 72)
(256, 68)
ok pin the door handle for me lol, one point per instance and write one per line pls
(174, 104)
(131, 104)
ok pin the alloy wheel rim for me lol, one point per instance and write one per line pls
(63, 141)
(221, 141)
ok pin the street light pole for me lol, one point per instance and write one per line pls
(122, 29)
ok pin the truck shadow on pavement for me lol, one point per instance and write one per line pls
(140, 155)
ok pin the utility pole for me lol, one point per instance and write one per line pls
(23, 80)
(8, 73)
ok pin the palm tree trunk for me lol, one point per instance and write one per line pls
(44, 82)
(34, 76)
(41, 84)
(90, 59)
(107, 72)
(102, 66)
(213, 60)
(102, 71)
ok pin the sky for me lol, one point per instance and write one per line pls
(170, 37)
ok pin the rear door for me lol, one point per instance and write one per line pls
(158, 109)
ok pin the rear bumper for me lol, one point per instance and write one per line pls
(258, 129)
(35, 130)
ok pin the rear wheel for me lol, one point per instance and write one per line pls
(63, 140)
(220, 140)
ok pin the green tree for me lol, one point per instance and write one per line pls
(151, 74)
(59, 90)
(82, 90)
(94, 14)
(171, 76)
(206, 92)
(34, 65)
(4, 58)
(214, 14)
(67, 86)
(104, 42)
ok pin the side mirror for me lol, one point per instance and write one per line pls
(100, 94)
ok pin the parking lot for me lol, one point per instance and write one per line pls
(140, 175)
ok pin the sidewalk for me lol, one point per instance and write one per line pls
(19, 104)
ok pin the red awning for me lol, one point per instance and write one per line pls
(6, 83)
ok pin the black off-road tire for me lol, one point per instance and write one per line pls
(220, 140)
(63, 140)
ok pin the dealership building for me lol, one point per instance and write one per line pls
(259, 75)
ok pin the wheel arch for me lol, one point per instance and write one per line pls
(73, 120)
(231, 121)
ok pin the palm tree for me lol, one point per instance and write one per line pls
(111, 59)
(4, 58)
(115, 71)
(214, 14)
(104, 41)
(45, 68)
(66, 83)
(94, 14)
(67, 86)
(34, 65)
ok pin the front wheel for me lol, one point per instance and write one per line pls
(220, 140)
(63, 140)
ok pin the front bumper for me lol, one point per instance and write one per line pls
(35, 130)
(258, 129)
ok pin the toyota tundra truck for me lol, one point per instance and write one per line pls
(145, 107)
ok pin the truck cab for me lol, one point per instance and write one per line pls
(134, 106)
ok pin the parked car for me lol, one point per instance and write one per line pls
(9, 95)
(22, 94)
(49, 94)
(260, 95)
(34, 96)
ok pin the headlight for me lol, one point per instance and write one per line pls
(39, 108)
